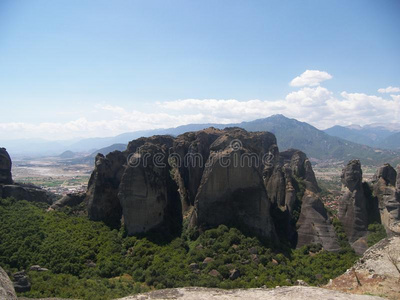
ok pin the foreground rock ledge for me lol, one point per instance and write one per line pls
(281, 293)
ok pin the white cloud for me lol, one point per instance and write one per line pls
(310, 78)
(316, 105)
(389, 89)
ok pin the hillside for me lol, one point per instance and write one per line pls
(385, 137)
(290, 133)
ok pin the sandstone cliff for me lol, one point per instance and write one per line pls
(353, 206)
(211, 177)
(7, 291)
(5, 167)
(384, 188)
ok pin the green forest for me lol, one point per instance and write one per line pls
(88, 260)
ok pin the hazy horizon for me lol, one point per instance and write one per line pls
(75, 69)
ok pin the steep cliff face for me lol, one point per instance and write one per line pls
(384, 187)
(7, 291)
(148, 194)
(211, 177)
(353, 206)
(191, 149)
(232, 190)
(5, 167)
(102, 193)
(293, 189)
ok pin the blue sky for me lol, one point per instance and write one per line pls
(98, 68)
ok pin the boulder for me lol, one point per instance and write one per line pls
(21, 282)
(148, 195)
(70, 200)
(353, 205)
(5, 167)
(7, 291)
(102, 193)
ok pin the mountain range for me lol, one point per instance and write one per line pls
(385, 136)
(339, 144)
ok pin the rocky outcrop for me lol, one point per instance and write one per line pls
(5, 167)
(211, 177)
(7, 291)
(353, 206)
(388, 195)
(102, 193)
(314, 225)
(27, 192)
(69, 200)
(377, 271)
(148, 194)
(19, 191)
(298, 210)
(279, 293)
(190, 150)
(232, 191)
(21, 282)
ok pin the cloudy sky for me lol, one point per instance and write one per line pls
(80, 68)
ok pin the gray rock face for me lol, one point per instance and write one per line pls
(21, 282)
(7, 291)
(69, 200)
(212, 177)
(292, 178)
(102, 193)
(191, 149)
(353, 206)
(314, 225)
(232, 191)
(27, 192)
(279, 293)
(5, 167)
(384, 186)
(147, 193)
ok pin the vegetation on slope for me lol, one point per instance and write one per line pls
(88, 260)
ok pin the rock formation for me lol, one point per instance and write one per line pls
(232, 191)
(102, 193)
(279, 293)
(211, 177)
(353, 206)
(148, 194)
(5, 167)
(384, 188)
(293, 189)
(7, 291)
(19, 191)
(70, 200)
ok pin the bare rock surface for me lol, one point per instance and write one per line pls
(353, 206)
(148, 195)
(7, 291)
(378, 271)
(232, 190)
(101, 196)
(5, 167)
(384, 187)
(281, 293)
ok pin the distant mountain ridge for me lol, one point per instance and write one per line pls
(385, 136)
(290, 133)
